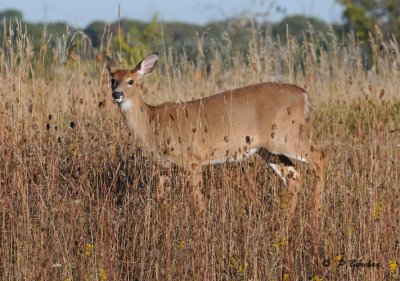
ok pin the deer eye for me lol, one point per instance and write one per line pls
(130, 82)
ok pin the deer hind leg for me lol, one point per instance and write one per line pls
(292, 180)
(316, 158)
(290, 177)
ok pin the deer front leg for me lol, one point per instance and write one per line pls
(163, 187)
(164, 180)
(196, 185)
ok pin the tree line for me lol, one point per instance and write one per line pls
(360, 17)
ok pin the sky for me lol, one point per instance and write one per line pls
(80, 13)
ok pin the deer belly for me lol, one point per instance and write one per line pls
(230, 157)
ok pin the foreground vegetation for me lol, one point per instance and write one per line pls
(80, 202)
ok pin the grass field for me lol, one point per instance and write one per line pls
(78, 200)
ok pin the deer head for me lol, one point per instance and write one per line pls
(123, 80)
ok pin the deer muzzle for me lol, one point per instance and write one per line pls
(118, 95)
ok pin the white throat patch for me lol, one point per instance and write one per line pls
(125, 104)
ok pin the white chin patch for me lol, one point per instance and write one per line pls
(125, 105)
(119, 100)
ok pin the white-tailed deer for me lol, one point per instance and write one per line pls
(264, 119)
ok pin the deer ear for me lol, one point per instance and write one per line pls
(147, 65)
(111, 66)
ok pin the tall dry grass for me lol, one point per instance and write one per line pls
(78, 200)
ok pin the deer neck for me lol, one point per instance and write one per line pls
(137, 116)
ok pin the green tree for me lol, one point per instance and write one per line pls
(95, 31)
(298, 25)
(11, 13)
(361, 16)
(136, 39)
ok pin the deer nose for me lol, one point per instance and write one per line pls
(118, 95)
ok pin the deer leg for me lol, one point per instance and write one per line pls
(289, 176)
(164, 180)
(317, 160)
(292, 181)
(163, 187)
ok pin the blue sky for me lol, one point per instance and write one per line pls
(81, 12)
